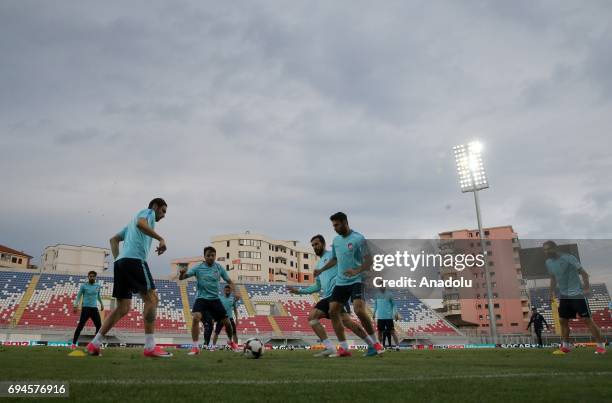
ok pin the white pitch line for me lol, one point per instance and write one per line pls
(417, 378)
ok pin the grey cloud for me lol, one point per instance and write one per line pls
(271, 116)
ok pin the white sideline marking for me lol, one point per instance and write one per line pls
(417, 378)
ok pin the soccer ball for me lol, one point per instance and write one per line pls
(253, 348)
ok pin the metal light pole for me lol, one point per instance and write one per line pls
(473, 178)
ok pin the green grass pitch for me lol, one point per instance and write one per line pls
(296, 376)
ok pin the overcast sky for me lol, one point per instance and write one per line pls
(270, 116)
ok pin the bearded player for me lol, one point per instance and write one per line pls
(324, 285)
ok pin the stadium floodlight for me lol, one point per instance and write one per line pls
(472, 175)
(472, 178)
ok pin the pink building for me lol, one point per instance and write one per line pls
(510, 297)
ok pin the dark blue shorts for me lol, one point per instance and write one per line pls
(344, 293)
(132, 276)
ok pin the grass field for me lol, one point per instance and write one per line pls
(296, 376)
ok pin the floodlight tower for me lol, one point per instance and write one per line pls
(473, 178)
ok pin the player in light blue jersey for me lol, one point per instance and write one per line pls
(208, 274)
(132, 275)
(90, 293)
(565, 273)
(351, 254)
(385, 312)
(324, 285)
(228, 299)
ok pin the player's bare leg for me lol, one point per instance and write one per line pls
(395, 338)
(196, 317)
(375, 347)
(122, 309)
(230, 334)
(601, 346)
(149, 313)
(313, 319)
(355, 327)
(335, 313)
(565, 333)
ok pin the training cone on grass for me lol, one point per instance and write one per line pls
(77, 353)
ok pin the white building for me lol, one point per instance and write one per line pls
(74, 259)
(257, 258)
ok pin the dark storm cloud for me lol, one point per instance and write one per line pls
(270, 116)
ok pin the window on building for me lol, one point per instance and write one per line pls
(305, 255)
(249, 255)
(306, 267)
(306, 277)
(228, 243)
(19, 261)
(249, 242)
(227, 255)
(249, 266)
(14, 260)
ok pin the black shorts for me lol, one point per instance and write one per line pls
(570, 307)
(323, 306)
(213, 306)
(89, 312)
(385, 325)
(219, 326)
(344, 293)
(132, 276)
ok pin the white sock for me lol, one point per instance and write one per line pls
(372, 338)
(566, 344)
(97, 340)
(601, 345)
(149, 341)
(195, 344)
(344, 344)
(328, 344)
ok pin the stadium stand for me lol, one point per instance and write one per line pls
(13, 286)
(51, 305)
(598, 302)
(418, 318)
(286, 315)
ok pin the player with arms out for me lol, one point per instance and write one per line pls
(229, 303)
(565, 272)
(90, 292)
(208, 274)
(324, 285)
(351, 254)
(132, 275)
